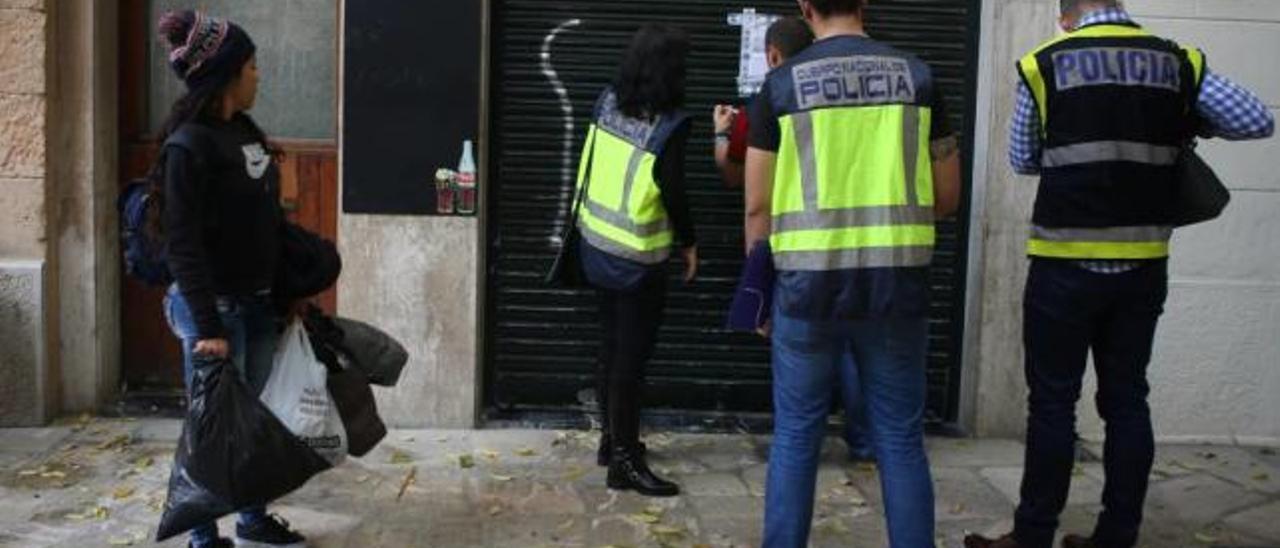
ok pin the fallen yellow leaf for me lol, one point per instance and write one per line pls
(466, 461)
(646, 518)
(666, 530)
(114, 443)
(400, 457)
(574, 473)
(526, 452)
(122, 492)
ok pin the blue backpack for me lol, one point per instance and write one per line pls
(144, 257)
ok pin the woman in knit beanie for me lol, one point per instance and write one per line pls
(219, 190)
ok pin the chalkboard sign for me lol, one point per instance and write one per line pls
(411, 96)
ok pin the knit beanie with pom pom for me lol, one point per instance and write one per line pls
(205, 52)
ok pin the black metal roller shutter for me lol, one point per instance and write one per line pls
(541, 342)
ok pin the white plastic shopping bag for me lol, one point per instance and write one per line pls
(296, 392)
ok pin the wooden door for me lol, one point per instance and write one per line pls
(152, 357)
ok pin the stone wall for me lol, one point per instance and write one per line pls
(25, 327)
(418, 278)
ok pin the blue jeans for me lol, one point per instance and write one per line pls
(809, 357)
(252, 333)
(855, 413)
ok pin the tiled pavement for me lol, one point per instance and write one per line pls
(92, 482)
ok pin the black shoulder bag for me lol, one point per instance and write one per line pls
(566, 270)
(1199, 194)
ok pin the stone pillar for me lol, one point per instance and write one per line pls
(27, 384)
(83, 168)
(1002, 213)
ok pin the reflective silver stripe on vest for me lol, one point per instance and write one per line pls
(603, 243)
(1110, 151)
(633, 165)
(1111, 234)
(808, 159)
(911, 150)
(853, 217)
(623, 221)
(863, 257)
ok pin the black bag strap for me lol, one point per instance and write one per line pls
(586, 185)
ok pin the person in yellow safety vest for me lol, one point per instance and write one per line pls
(634, 212)
(785, 38)
(851, 158)
(1102, 115)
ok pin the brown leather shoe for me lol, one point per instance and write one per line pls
(1077, 541)
(979, 541)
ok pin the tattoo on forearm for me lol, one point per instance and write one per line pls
(944, 148)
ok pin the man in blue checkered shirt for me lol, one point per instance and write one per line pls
(1102, 115)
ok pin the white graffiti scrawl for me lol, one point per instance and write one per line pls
(566, 108)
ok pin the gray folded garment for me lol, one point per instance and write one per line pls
(372, 351)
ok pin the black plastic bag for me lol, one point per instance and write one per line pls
(379, 356)
(363, 347)
(188, 505)
(359, 410)
(348, 385)
(233, 454)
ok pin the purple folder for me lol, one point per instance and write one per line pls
(753, 301)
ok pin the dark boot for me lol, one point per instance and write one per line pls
(605, 450)
(629, 471)
(978, 541)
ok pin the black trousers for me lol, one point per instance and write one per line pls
(1069, 312)
(629, 322)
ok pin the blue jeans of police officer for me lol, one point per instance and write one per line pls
(887, 358)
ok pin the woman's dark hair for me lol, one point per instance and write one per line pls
(651, 78)
(198, 105)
